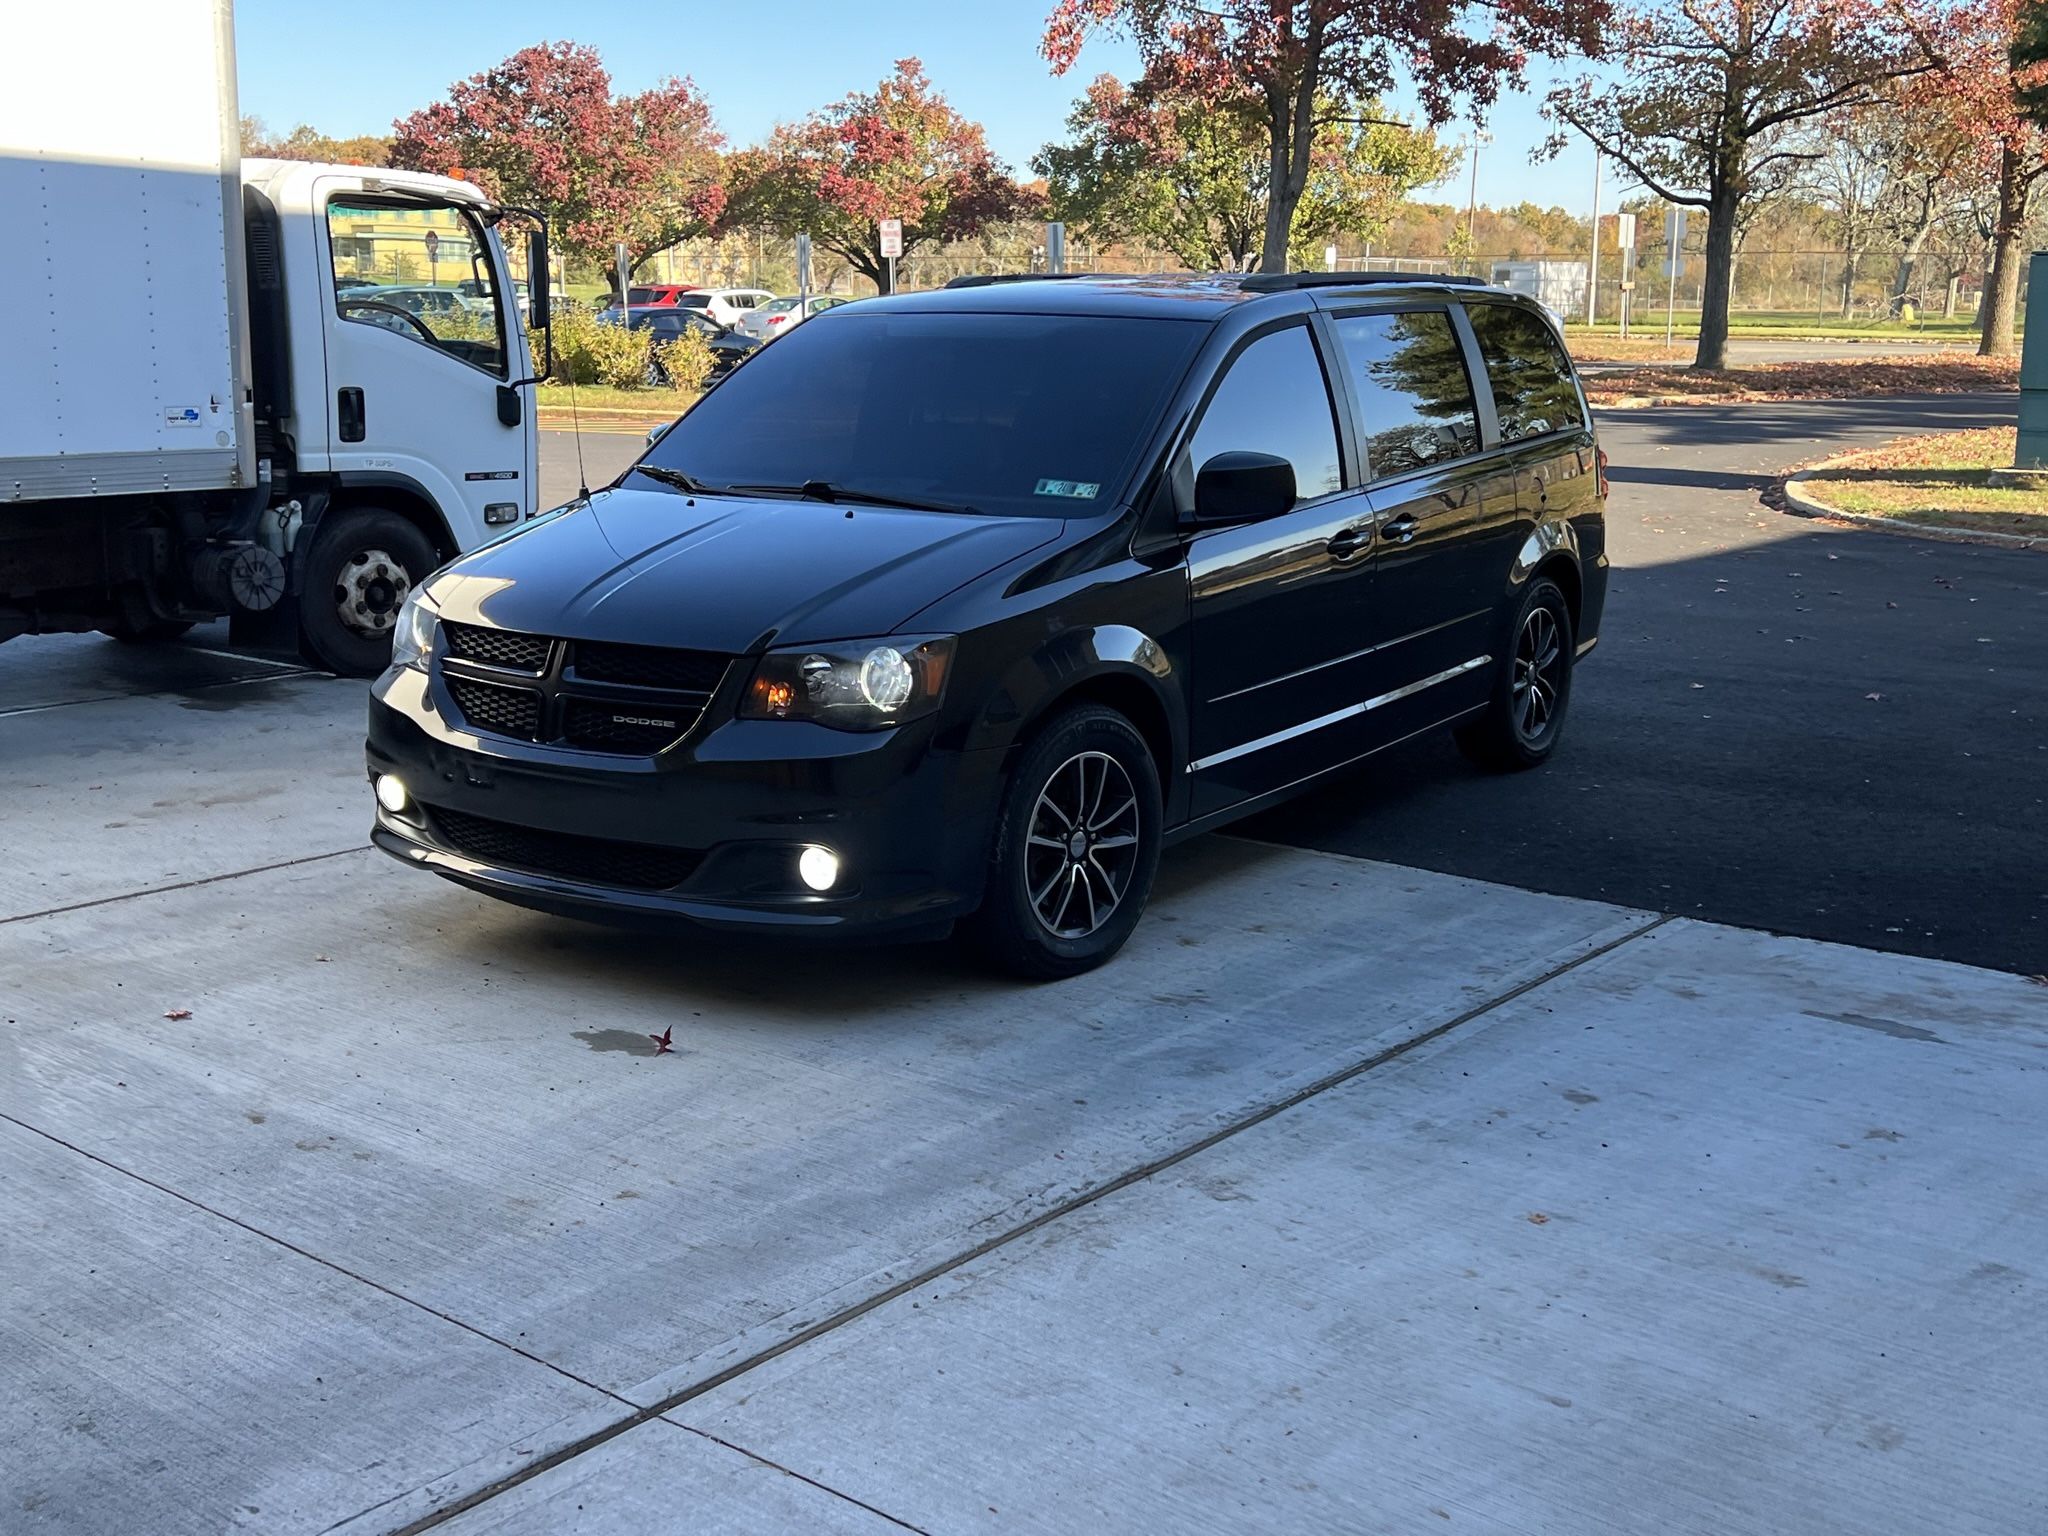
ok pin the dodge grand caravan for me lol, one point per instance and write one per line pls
(956, 607)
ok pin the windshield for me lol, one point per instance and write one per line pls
(1039, 415)
(638, 296)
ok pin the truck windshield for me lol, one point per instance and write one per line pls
(1038, 415)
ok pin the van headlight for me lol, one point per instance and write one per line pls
(859, 685)
(412, 637)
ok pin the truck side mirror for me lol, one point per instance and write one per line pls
(537, 280)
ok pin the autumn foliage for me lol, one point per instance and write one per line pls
(898, 151)
(543, 130)
(1301, 62)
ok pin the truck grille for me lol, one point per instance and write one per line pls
(591, 860)
(630, 700)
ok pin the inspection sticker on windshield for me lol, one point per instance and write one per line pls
(1083, 490)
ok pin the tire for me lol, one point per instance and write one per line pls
(1084, 758)
(151, 633)
(363, 562)
(1516, 731)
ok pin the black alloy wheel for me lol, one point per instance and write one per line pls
(1521, 723)
(1076, 847)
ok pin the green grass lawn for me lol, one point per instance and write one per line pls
(1789, 322)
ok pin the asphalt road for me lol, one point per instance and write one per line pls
(1725, 758)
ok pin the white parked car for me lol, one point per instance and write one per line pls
(779, 315)
(726, 307)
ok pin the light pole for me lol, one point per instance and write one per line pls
(1593, 270)
(1479, 136)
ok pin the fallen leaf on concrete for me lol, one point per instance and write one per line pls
(1874, 696)
(1537, 1218)
(179, 1013)
(661, 1042)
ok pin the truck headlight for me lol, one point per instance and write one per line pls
(859, 685)
(412, 637)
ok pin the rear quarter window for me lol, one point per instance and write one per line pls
(1533, 390)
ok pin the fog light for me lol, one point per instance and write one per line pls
(819, 868)
(391, 792)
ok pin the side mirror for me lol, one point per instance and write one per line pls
(1242, 488)
(654, 433)
(537, 280)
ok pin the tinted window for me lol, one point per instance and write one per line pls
(1274, 400)
(1414, 396)
(1041, 415)
(1532, 379)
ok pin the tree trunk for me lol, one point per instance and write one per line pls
(1279, 206)
(2000, 312)
(1722, 207)
(1909, 258)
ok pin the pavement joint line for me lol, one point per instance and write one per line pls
(157, 693)
(883, 1514)
(667, 1405)
(184, 885)
(305, 1253)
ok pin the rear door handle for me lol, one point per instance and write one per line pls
(1400, 530)
(1542, 488)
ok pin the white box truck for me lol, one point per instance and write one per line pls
(279, 391)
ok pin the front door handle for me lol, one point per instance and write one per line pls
(1400, 530)
(1350, 542)
(348, 414)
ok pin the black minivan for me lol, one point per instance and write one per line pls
(956, 607)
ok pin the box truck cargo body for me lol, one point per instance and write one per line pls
(274, 390)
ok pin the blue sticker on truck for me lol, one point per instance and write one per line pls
(1082, 490)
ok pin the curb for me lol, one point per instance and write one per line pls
(1800, 504)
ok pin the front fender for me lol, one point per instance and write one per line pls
(1072, 660)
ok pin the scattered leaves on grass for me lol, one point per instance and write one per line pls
(1834, 380)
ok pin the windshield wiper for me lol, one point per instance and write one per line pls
(677, 478)
(826, 490)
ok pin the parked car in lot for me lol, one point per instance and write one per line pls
(779, 317)
(726, 307)
(425, 301)
(960, 606)
(728, 348)
(655, 295)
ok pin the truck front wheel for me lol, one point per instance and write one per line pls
(363, 563)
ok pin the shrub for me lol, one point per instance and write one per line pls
(589, 353)
(685, 361)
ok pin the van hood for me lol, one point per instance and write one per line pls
(727, 573)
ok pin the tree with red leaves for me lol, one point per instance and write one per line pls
(543, 130)
(1300, 61)
(896, 152)
(1980, 92)
(1713, 93)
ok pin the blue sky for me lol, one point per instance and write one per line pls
(759, 65)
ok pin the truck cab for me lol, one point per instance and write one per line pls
(388, 350)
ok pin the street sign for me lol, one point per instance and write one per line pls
(1625, 231)
(433, 246)
(891, 235)
(1674, 237)
(803, 266)
(1055, 247)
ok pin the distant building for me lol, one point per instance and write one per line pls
(1560, 285)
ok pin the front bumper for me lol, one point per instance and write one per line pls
(726, 812)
